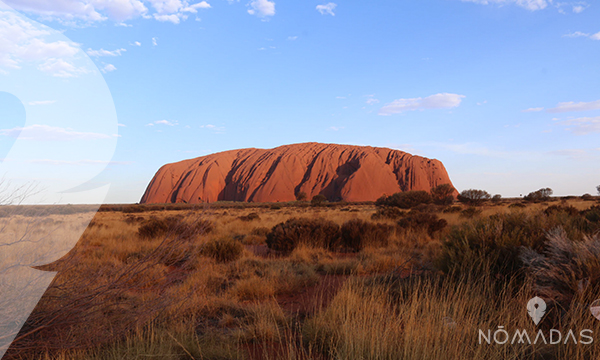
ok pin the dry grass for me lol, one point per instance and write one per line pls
(188, 302)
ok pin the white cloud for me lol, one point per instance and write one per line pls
(136, 43)
(531, 5)
(372, 101)
(576, 34)
(122, 125)
(43, 102)
(109, 68)
(327, 9)
(583, 126)
(437, 101)
(155, 41)
(580, 7)
(102, 52)
(60, 68)
(292, 38)
(262, 8)
(336, 128)
(174, 18)
(163, 122)
(90, 11)
(50, 133)
(573, 106)
(537, 109)
(24, 42)
(194, 8)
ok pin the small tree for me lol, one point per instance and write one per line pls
(442, 194)
(301, 196)
(473, 196)
(405, 200)
(497, 198)
(318, 200)
(540, 195)
(598, 189)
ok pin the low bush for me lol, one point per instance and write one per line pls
(452, 209)
(493, 243)
(470, 212)
(405, 200)
(223, 249)
(317, 232)
(587, 197)
(387, 213)
(250, 217)
(358, 234)
(173, 226)
(416, 220)
(443, 194)
(473, 196)
(318, 200)
(539, 195)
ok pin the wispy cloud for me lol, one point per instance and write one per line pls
(43, 102)
(531, 5)
(437, 101)
(86, 12)
(327, 9)
(51, 133)
(583, 125)
(108, 68)
(163, 122)
(102, 52)
(155, 41)
(573, 106)
(537, 109)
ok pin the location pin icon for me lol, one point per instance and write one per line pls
(536, 308)
(595, 309)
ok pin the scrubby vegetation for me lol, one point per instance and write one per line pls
(411, 278)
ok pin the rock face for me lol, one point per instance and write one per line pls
(340, 172)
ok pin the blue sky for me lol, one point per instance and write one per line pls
(504, 92)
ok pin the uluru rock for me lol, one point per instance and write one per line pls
(340, 172)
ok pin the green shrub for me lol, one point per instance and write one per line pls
(405, 200)
(249, 217)
(416, 220)
(473, 196)
(318, 200)
(358, 234)
(317, 232)
(387, 213)
(592, 214)
(493, 243)
(452, 209)
(301, 196)
(470, 212)
(587, 197)
(540, 195)
(443, 194)
(223, 249)
(173, 226)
